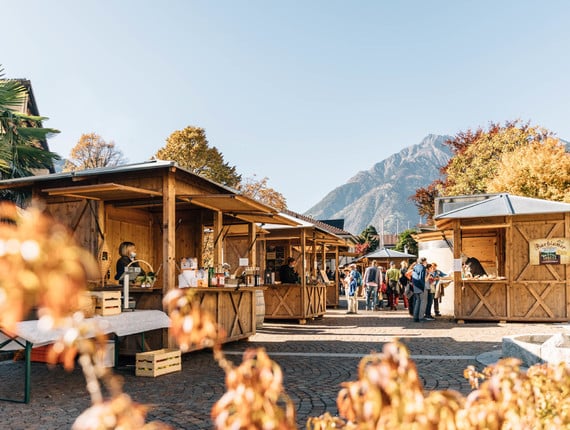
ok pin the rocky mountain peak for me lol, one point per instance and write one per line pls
(380, 195)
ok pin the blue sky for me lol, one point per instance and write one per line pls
(306, 93)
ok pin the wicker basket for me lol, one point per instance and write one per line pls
(148, 280)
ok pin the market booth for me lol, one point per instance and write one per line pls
(312, 244)
(522, 243)
(172, 215)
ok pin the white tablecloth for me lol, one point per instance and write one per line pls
(125, 323)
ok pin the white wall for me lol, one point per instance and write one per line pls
(439, 252)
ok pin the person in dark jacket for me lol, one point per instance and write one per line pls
(419, 274)
(128, 253)
(287, 274)
(472, 266)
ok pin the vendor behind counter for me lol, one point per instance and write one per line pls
(287, 273)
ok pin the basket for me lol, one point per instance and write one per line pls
(148, 279)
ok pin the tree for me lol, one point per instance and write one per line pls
(541, 170)
(190, 149)
(369, 240)
(471, 168)
(258, 190)
(476, 160)
(21, 134)
(92, 151)
(424, 199)
(406, 242)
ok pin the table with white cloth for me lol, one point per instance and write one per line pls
(28, 335)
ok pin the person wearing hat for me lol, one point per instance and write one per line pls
(392, 278)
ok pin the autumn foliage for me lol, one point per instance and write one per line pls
(515, 157)
(92, 151)
(190, 149)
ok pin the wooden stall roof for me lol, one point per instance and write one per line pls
(505, 204)
(106, 192)
(322, 231)
(228, 200)
(238, 206)
(497, 206)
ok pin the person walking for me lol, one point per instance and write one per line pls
(392, 278)
(403, 284)
(372, 280)
(352, 282)
(419, 283)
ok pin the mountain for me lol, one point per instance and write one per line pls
(384, 190)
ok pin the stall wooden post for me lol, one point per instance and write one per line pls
(456, 257)
(251, 237)
(168, 232)
(218, 246)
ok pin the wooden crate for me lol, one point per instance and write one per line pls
(158, 362)
(107, 302)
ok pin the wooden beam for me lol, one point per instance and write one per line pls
(252, 249)
(169, 232)
(458, 292)
(484, 227)
(218, 240)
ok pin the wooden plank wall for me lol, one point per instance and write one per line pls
(538, 292)
(134, 226)
(484, 248)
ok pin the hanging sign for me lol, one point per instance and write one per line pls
(555, 250)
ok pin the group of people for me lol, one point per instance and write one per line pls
(374, 284)
(426, 290)
(421, 292)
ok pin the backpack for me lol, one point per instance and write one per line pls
(358, 278)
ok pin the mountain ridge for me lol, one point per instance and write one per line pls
(381, 195)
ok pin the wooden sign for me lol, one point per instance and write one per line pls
(554, 250)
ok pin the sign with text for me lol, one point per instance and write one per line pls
(555, 250)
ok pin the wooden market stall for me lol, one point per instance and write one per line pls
(166, 211)
(311, 244)
(523, 245)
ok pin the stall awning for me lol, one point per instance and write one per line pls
(238, 206)
(235, 205)
(105, 192)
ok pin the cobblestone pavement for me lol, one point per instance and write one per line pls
(316, 358)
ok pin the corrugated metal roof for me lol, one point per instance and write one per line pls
(505, 204)
(306, 222)
(387, 253)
